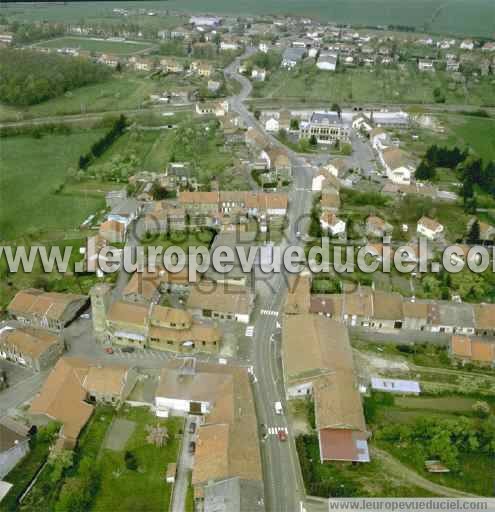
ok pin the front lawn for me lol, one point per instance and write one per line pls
(143, 489)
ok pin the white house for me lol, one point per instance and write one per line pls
(426, 65)
(272, 125)
(327, 61)
(467, 44)
(379, 139)
(263, 47)
(429, 228)
(331, 223)
(362, 123)
(398, 165)
(258, 74)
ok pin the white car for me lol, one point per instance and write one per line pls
(278, 408)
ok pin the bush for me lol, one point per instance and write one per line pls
(130, 461)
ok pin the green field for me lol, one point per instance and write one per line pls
(390, 85)
(144, 489)
(96, 45)
(32, 172)
(450, 16)
(122, 92)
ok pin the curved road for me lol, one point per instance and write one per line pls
(284, 488)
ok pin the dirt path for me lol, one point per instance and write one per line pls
(414, 478)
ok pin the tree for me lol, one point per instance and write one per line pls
(425, 171)
(313, 140)
(473, 235)
(294, 124)
(336, 108)
(130, 461)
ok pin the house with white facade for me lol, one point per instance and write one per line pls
(398, 164)
(330, 223)
(429, 228)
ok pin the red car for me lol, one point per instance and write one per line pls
(282, 435)
(109, 350)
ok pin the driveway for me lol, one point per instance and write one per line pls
(184, 466)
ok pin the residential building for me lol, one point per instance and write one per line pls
(203, 69)
(399, 165)
(331, 224)
(377, 227)
(217, 108)
(291, 57)
(327, 127)
(325, 370)
(227, 457)
(113, 231)
(429, 228)
(327, 61)
(426, 65)
(46, 310)
(258, 74)
(272, 125)
(214, 301)
(468, 349)
(277, 160)
(151, 326)
(36, 349)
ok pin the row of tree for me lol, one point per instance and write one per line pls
(28, 77)
(436, 156)
(445, 439)
(101, 145)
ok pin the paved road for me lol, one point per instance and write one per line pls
(284, 489)
(184, 467)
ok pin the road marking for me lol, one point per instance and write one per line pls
(250, 331)
(275, 430)
(268, 312)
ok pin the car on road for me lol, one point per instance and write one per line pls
(192, 447)
(85, 316)
(278, 408)
(192, 427)
(109, 350)
(129, 350)
(282, 435)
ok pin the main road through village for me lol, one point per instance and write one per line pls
(284, 488)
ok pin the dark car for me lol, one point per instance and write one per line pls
(192, 428)
(129, 350)
(192, 447)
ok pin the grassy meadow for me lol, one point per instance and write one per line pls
(449, 16)
(381, 84)
(33, 170)
(96, 45)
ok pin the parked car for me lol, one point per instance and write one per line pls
(192, 447)
(129, 350)
(192, 428)
(263, 431)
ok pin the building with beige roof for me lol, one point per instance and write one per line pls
(33, 348)
(211, 300)
(63, 398)
(150, 326)
(317, 359)
(429, 228)
(399, 165)
(46, 310)
(227, 443)
(468, 349)
(484, 316)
